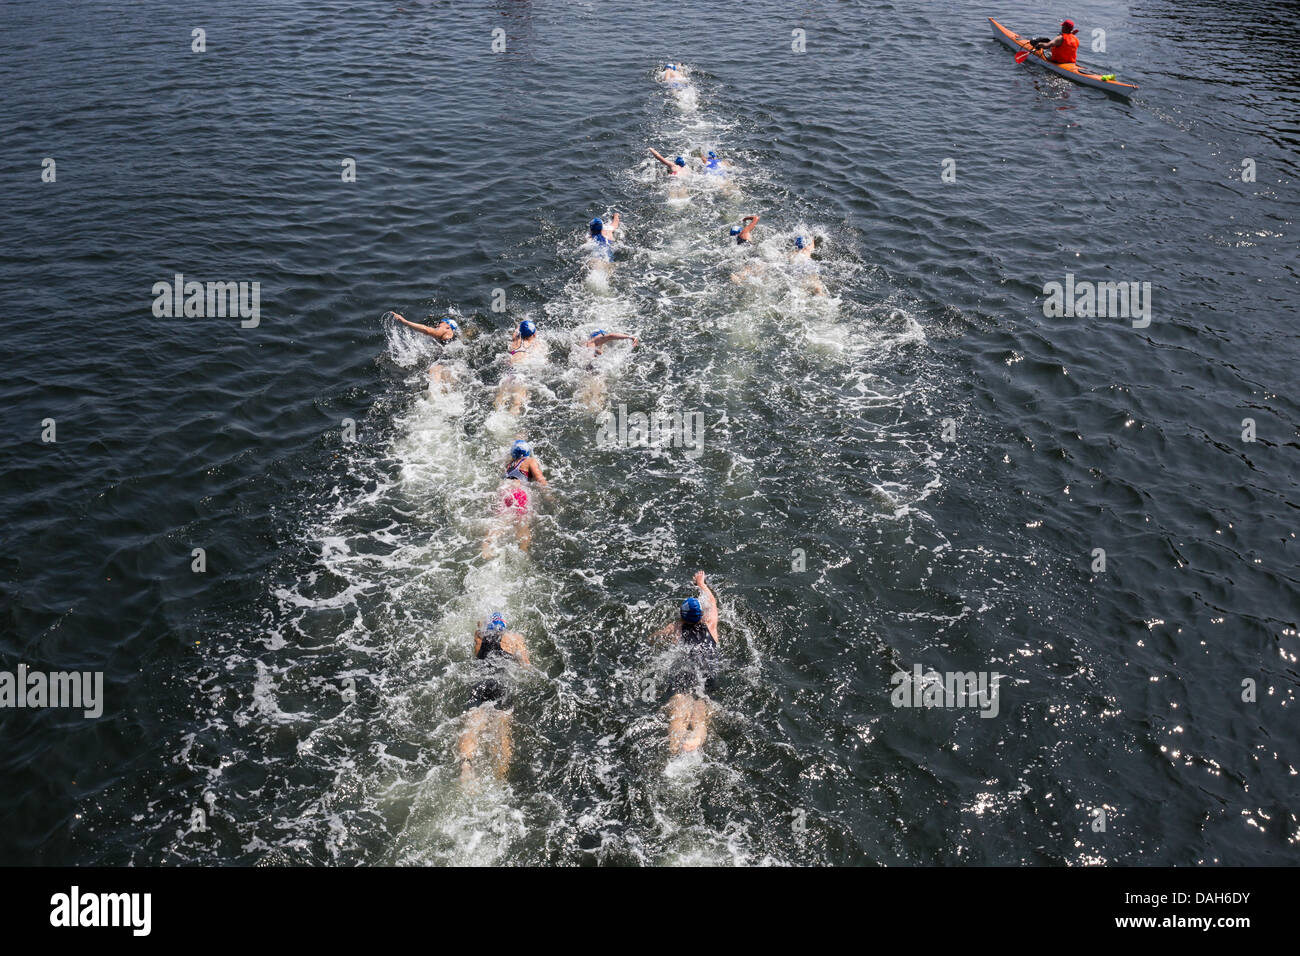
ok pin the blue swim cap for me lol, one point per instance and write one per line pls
(520, 449)
(498, 623)
(679, 161)
(691, 610)
(527, 329)
(454, 326)
(735, 230)
(799, 242)
(596, 333)
(597, 225)
(712, 155)
(669, 66)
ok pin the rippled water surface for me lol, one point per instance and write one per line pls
(916, 467)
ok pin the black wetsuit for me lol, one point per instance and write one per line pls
(492, 688)
(699, 663)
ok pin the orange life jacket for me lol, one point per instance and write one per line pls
(1066, 50)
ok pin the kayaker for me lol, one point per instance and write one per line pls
(1064, 47)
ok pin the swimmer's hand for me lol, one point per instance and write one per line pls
(698, 579)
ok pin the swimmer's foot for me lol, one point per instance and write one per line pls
(468, 779)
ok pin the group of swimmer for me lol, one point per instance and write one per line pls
(679, 169)
(499, 650)
(487, 727)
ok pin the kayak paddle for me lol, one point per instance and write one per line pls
(1023, 55)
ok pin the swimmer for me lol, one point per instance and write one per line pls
(591, 393)
(677, 167)
(678, 171)
(524, 343)
(600, 338)
(801, 256)
(672, 76)
(521, 469)
(602, 235)
(712, 165)
(745, 231)
(488, 714)
(744, 234)
(695, 675)
(445, 331)
(522, 466)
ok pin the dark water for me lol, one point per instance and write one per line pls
(330, 561)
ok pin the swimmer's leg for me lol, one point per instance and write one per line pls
(475, 721)
(490, 542)
(524, 533)
(514, 392)
(504, 743)
(441, 375)
(698, 727)
(592, 394)
(680, 711)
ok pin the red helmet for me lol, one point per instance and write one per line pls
(1067, 26)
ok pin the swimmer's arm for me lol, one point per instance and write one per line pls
(613, 223)
(536, 473)
(427, 330)
(518, 648)
(710, 605)
(478, 639)
(672, 630)
(615, 337)
(656, 154)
